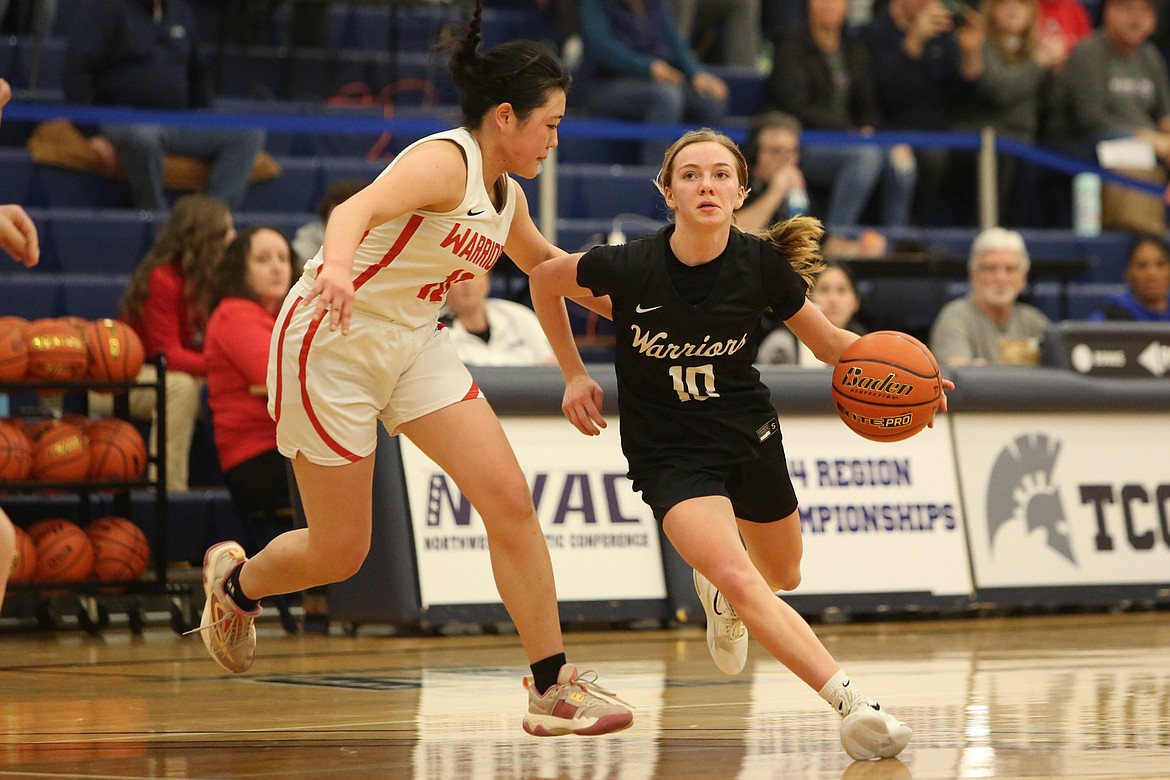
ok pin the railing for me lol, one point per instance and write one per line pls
(986, 143)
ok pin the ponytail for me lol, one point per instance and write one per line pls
(799, 240)
(520, 73)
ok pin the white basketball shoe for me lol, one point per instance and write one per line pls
(868, 732)
(727, 636)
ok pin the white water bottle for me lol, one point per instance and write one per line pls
(1087, 204)
(797, 202)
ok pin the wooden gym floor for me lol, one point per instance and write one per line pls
(1053, 697)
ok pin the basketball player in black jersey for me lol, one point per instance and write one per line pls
(697, 426)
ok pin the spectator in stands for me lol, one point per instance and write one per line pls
(728, 29)
(492, 331)
(253, 279)
(1020, 60)
(773, 154)
(1118, 83)
(145, 54)
(167, 303)
(778, 188)
(925, 59)
(835, 294)
(1147, 279)
(990, 326)
(822, 75)
(637, 67)
(311, 235)
(1068, 17)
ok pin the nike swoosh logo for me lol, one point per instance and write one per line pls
(474, 213)
(640, 309)
(715, 604)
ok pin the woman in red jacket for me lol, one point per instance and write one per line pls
(255, 277)
(167, 303)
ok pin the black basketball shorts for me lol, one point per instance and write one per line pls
(760, 490)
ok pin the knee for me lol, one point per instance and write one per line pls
(336, 561)
(250, 140)
(7, 540)
(511, 514)
(183, 393)
(138, 140)
(787, 578)
(733, 581)
(666, 102)
(869, 159)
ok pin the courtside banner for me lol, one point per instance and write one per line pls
(602, 538)
(876, 517)
(1066, 499)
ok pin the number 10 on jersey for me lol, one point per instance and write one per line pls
(688, 390)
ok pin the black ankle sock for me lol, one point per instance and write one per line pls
(231, 586)
(544, 672)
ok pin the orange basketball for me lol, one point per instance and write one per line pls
(56, 351)
(886, 386)
(117, 452)
(120, 550)
(60, 452)
(115, 351)
(64, 552)
(15, 452)
(13, 349)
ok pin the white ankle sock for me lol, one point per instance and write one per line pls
(841, 694)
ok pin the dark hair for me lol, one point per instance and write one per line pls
(522, 73)
(845, 269)
(768, 120)
(1137, 239)
(233, 271)
(338, 192)
(194, 234)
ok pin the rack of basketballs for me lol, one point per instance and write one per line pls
(53, 452)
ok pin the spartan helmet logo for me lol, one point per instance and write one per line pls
(1020, 489)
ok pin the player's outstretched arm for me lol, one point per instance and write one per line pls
(551, 282)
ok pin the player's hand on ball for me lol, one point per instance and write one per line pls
(942, 403)
(582, 404)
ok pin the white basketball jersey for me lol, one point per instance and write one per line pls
(403, 268)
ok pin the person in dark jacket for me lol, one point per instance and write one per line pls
(638, 67)
(145, 54)
(822, 76)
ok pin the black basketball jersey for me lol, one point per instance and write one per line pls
(688, 389)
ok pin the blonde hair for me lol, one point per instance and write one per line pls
(999, 43)
(798, 239)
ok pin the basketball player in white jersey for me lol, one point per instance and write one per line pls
(697, 425)
(358, 342)
(18, 237)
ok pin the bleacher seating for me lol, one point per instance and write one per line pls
(95, 241)
(16, 180)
